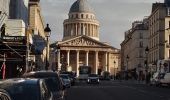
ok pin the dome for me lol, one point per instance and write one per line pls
(81, 6)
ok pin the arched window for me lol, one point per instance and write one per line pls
(82, 16)
(77, 16)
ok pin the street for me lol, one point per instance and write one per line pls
(115, 90)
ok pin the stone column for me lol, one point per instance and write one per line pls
(76, 29)
(87, 58)
(106, 64)
(80, 29)
(87, 29)
(77, 63)
(84, 29)
(93, 30)
(68, 57)
(96, 62)
(58, 60)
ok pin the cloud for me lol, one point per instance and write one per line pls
(115, 16)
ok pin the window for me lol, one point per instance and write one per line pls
(87, 16)
(141, 44)
(168, 11)
(77, 16)
(140, 53)
(140, 35)
(82, 16)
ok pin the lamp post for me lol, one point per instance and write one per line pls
(114, 68)
(127, 59)
(146, 67)
(47, 31)
(146, 61)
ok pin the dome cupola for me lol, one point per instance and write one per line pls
(81, 6)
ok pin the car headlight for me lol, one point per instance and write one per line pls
(88, 80)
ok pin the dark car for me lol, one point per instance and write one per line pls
(52, 80)
(72, 76)
(66, 80)
(24, 89)
(93, 78)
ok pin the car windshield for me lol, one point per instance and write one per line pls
(64, 76)
(22, 91)
(93, 75)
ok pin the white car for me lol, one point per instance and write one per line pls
(165, 79)
(93, 78)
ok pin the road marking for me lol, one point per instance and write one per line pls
(94, 87)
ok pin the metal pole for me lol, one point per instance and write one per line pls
(114, 70)
(46, 67)
(4, 68)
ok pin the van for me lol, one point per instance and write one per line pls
(165, 80)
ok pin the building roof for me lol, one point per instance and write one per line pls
(81, 6)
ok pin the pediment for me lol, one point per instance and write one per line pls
(83, 41)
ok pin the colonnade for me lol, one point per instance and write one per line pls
(96, 60)
(76, 29)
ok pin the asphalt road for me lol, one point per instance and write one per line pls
(115, 90)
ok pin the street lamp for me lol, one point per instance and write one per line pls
(114, 68)
(47, 31)
(146, 62)
(127, 59)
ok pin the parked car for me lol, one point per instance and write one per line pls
(72, 76)
(93, 78)
(165, 79)
(25, 89)
(52, 80)
(4, 95)
(66, 80)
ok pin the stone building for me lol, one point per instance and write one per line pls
(19, 10)
(133, 55)
(36, 26)
(81, 45)
(159, 33)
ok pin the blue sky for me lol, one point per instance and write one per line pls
(115, 16)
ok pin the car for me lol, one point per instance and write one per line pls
(52, 80)
(93, 78)
(71, 75)
(4, 95)
(24, 89)
(66, 80)
(165, 80)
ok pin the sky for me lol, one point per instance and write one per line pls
(115, 16)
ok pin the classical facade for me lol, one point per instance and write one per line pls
(159, 33)
(81, 46)
(133, 55)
